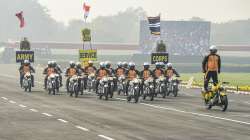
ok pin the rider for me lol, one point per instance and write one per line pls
(131, 74)
(101, 72)
(24, 68)
(47, 71)
(162, 66)
(58, 71)
(211, 66)
(170, 71)
(89, 70)
(109, 68)
(157, 72)
(145, 73)
(125, 65)
(119, 71)
(79, 68)
(71, 71)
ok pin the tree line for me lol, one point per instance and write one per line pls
(122, 27)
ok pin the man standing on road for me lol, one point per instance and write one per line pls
(211, 66)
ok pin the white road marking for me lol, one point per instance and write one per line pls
(82, 128)
(197, 114)
(61, 120)
(46, 114)
(22, 106)
(105, 137)
(13, 102)
(4, 98)
(121, 99)
(187, 94)
(247, 103)
(8, 76)
(33, 110)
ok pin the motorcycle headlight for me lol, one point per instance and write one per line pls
(105, 85)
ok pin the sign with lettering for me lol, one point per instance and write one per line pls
(86, 55)
(24, 55)
(159, 57)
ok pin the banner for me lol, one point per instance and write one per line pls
(21, 19)
(159, 57)
(86, 35)
(86, 55)
(86, 9)
(24, 55)
(154, 24)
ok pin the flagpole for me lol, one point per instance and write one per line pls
(83, 38)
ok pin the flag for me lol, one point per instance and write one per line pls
(86, 9)
(21, 19)
(155, 25)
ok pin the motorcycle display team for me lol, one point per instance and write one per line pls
(126, 80)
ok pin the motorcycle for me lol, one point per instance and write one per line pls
(121, 85)
(111, 86)
(160, 87)
(134, 90)
(81, 84)
(216, 96)
(173, 86)
(73, 86)
(27, 82)
(148, 89)
(53, 83)
(103, 88)
(91, 82)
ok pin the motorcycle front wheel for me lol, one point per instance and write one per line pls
(224, 103)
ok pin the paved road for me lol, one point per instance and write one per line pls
(39, 116)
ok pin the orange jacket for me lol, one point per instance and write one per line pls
(132, 74)
(145, 74)
(211, 62)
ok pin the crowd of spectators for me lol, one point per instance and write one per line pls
(181, 37)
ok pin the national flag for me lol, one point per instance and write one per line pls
(86, 9)
(155, 25)
(21, 19)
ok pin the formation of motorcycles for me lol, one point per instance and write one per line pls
(105, 81)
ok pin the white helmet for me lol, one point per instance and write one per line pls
(90, 62)
(213, 48)
(131, 64)
(102, 64)
(26, 62)
(49, 62)
(146, 64)
(169, 65)
(119, 64)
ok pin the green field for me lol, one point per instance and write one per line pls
(235, 79)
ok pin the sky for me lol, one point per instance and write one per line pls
(211, 10)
